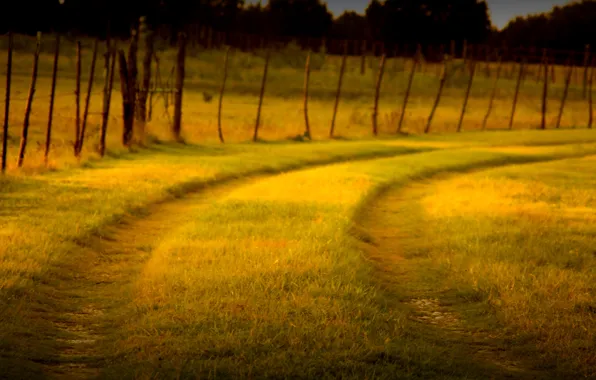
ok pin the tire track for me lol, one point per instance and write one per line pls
(91, 285)
(379, 237)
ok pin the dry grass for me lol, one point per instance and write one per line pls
(512, 248)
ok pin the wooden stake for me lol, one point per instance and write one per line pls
(52, 97)
(87, 100)
(493, 93)
(338, 92)
(306, 82)
(7, 102)
(590, 93)
(544, 88)
(30, 97)
(107, 98)
(180, 73)
(261, 94)
(221, 96)
(564, 99)
(127, 109)
(586, 64)
(409, 88)
(78, 97)
(144, 92)
(467, 96)
(441, 58)
(516, 94)
(377, 95)
(437, 100)
(132, 79)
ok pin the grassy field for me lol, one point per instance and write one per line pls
(509, 251)
(293, 258)
(282, 116)
(105, 274)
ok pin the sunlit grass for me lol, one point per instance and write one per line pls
(266, 281)
(519, 241)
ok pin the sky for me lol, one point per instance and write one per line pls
(501, 11)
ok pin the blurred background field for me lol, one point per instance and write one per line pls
(283, 111)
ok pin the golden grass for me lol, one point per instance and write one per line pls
(521, 240)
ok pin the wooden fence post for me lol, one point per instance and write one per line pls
(261, 94)
(78, 97)
(590, 91)
(564, 99)
(545, 88)
(30, 97)
(7, 102)
(437, 100)
(493, 93)
(107, 97)
(87, 100)
(441, 58)
(586, 65)
(133, 73)
(306, 82)
(516, 94)
(221, 95)
(338, 92)
(464, 54)
(467, 96)
(149, 42)
(180, 73)
(409, 88)
(52, 97)
(377, 95)
(127, 102)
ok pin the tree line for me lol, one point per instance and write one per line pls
(428, 22)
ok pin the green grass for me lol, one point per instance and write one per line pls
(269, 276)
(511, 250)
(266, 281)
(299, 219)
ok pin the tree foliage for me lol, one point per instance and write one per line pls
(429, 22)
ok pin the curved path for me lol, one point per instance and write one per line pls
(429, 306)
(103, 270)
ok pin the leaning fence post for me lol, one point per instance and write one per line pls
(261, 95)
(221, 95)
(7, 102)
(87, 100)
(493, 94)
(545, 88)
(180, 72)
(52, 96)
(408, 89)
(338, 92)
(516, 94)
(437, 100)
(30, 97)
(590, 90)
(377, 94)
(110, 54)
(306, 82)
(78, 97)
(467, 96)
(563, 100)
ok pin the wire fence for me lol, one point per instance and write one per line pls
(284, 89)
